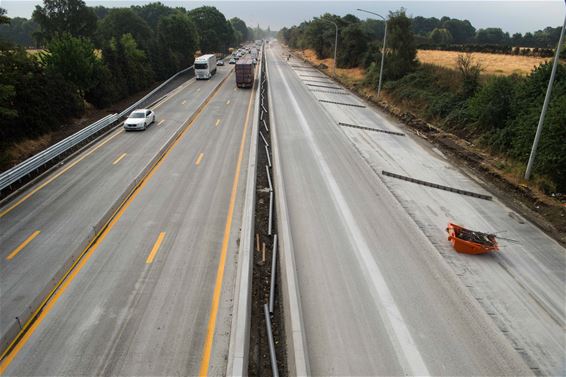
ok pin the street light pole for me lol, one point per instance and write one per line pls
(545, 105)
(383, 51)
(335, 43)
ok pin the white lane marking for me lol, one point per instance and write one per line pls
(392, 315)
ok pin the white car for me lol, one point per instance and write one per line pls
(220, 62)
(139, 120)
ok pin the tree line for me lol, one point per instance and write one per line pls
(498, 113)
(430, 33)
(97, 55)
(446, 31)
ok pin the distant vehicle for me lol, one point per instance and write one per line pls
(254, 53)
(232, 61)
(220, 62)
(254, 61)
(205, 67)
(139, 120)
(244, 73)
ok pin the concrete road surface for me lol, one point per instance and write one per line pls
(153, 297)
(522, 287)
(63, 209)
(377, 298)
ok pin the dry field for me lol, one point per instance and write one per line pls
(493, 64)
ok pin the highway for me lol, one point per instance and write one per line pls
(377, 294)
(150, 224)
(152, 295)
(67, 206)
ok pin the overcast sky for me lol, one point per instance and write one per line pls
(511, 16)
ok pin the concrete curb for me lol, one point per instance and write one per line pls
(238, 351)
(14, 333)
(297, 355)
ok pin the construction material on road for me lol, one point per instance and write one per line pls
(371, 129)
(325, 86)
(341, 103)
(329, 92)
(437, 186)
(470, 241)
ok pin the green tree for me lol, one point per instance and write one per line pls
(153, 12)
(214, 32)
(120, 21)
(64, 16)
(470, 71)
(353, 46)
(105, 89)
(401, 55)
(100, 11)
(319, 34)
(441, 36)
(374, 29)
(492, 106)
(177, 43)
(3, 18)
(240, 28)
(461, 31)
(492, 36)
(73, 58)
(530, 93)
(7, 90)
(424, 26)
(19, 31)
(37, 93)
(129, 65)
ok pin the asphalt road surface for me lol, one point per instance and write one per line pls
(153, 294)
(377, 297)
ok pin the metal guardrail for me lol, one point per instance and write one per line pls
(33, 163)
(20, 171)
(136, 105)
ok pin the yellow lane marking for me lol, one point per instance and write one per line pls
(156, 245)
(228, 102)
(161, 121)
(39, 315)
(119, 158)
(199, 159)
(205, 359)
(184, 101)
(217, 122)
(173, 94)
(28, 195)
(22, 245)
(54, 177)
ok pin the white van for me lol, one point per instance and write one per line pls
(205, 67)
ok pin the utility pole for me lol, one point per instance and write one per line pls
(545, 104)
(335, 44)
(383, 51)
